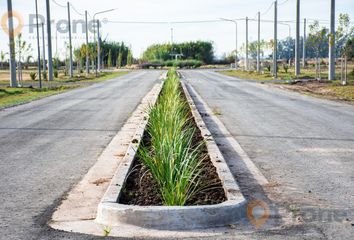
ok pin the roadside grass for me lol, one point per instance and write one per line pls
(345, 93)
(306, 74)
(16, 96)
(91, 78)
(324, 89)
(174, 159)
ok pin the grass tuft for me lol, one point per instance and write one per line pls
(173, 158)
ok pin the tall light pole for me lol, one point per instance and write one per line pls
(13, 80)
(44, 61)
(246, 44)
(94, 29)
(98, 47)
(171, 36)
(275, 48)
(332, 42)
(304, 46)
(297, 41)
(236, 38)
(71, 70)
(87, 45)
(38, 49)
(49, 33)
(289, 26)
(259, 44)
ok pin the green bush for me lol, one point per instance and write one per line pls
(352, 73)
(33, 76)
(286, 68)
(56, 73)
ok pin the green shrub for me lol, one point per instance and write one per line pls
(169, 63)
(286, 68)
(33, 76)
(56, 73)
(352, 73)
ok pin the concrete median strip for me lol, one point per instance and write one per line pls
(175, 218)
(103, 184)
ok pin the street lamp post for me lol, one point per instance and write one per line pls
(236, 37)
(38, 49)
(94, 29)
(13, 80)
(49, 33)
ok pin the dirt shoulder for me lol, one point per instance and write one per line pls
(322, 89)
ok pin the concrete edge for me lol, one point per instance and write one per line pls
(251, 167)
(81, 202)
(174, 218)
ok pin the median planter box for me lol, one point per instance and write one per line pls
(230, 210)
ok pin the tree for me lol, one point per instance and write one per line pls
(130, 58)
(22, 49)
(343, 34)
(317, 41)
(109, 61)
(78, 59)
(120, 60)
(2, 58)
(350, 48)
(199, 50)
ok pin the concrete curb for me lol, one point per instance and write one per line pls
(80, 205)
(174, 218)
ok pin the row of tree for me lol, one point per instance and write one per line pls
(199, 50)
(113, 54)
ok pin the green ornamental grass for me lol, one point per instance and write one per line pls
(173, 158)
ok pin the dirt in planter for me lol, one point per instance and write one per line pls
(141, 189)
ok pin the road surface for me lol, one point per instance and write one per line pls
(47, 146)
(304, 146)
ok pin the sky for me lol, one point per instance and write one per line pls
(140, 36)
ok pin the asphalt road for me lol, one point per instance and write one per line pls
(47, 146)
(303, 145)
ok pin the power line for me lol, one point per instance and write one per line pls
(58, 4)
(283, 2)
(267, 11)
(170, 22)
(73, 7)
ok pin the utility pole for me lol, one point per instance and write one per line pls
(38, 49)
(304, 45)
(297, 41)
(98, 30)
(98, 47)
(87, 47)
(71, 70)
(332, 42)
(236, 49)
(275, 48)
(49, 33)
(259, 44)
(171, 36)
(44, 61)
(246, 44)
(13, 80)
